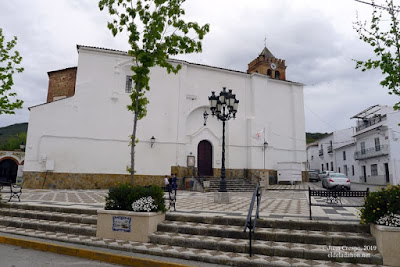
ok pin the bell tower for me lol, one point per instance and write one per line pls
(267, 64)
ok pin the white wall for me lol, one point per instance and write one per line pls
(387, 136)
(313, 158)
(326, 158)
(393, 120)
(89, 132)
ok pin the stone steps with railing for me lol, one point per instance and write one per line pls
(218, 240)
(295, 241)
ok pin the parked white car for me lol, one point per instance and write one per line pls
(324, 174)
(336, 180)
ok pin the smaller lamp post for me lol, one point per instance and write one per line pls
(224, 107)
(205, 115)
(152, 141)
(22, 147)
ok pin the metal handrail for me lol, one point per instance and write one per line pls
(250, 223)
(371, 152)
(369, 122)
(172, 198)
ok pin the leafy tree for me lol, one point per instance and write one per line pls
(9, 60)
(14, 142)
(386, 44)
(156, 31)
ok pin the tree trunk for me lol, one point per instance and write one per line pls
(394, 21)
(133, 140)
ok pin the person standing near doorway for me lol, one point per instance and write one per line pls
(167, 184)
(174, 185)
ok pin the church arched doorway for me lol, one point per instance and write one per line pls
(204, 158)
(8, 170)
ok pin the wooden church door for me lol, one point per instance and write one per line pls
(204, 158)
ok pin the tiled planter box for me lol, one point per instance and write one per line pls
(127, 225)
(387, 241)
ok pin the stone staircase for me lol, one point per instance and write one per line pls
(278, 242)
(48, 219)
(232, 185)
(218, 240)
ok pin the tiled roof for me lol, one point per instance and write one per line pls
(69, 68)
(267, 53)
(179, 60)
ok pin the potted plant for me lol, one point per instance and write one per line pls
(131, 212)
(382, 211)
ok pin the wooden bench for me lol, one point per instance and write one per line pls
(13, 189)
(334, 197)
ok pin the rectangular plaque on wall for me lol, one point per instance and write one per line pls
(190, 161)
(121, 223)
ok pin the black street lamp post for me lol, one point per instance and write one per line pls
(224, 107)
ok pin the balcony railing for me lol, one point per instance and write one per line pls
(321, 152)
(330, 149)
(372, 152)
(367, 123)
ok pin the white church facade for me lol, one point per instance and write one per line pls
(80, 137)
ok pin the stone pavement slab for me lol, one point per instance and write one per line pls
(300, 187)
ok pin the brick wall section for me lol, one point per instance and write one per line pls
(262, 64)
(61, 83)
(252, 175)
(54, 180)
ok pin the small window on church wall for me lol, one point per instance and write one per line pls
(128, 86)
(269, 73)
(277, 75)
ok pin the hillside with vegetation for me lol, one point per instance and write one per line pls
(312, 137)
(12, 136)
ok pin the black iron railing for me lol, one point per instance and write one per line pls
(369, 122)
(172, 198)
(375, 151)
(334, 198)
(250, 222)
(330, 149)
(321, 152)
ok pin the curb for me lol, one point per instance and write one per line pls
(87, 253)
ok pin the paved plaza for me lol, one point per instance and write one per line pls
(279, 201)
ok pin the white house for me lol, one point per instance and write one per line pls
(80, 137)
(345, 162)
(325, 153)
(328, 146)
(368, 153)
(313, 161)
(377, 145)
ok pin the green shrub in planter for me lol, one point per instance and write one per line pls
(122, 197)
(381, 203)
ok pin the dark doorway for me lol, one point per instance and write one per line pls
(364, 170)
(204, 158)
(387, 172)
(8, 170)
